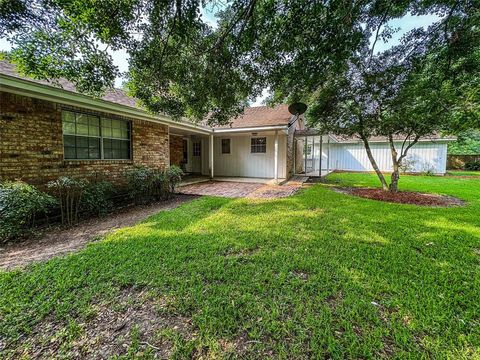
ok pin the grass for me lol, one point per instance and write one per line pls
(316, 275)
(463, 173)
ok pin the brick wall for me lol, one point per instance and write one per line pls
(31, 143)
(176, 150)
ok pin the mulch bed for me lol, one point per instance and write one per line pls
(404, 197)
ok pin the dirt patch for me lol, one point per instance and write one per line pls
(274, 191)
(134, 322)
(403, 197)
(56, 242)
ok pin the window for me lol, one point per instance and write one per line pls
(197, 146)
(91, 137)
(225, 146)
(258, 145)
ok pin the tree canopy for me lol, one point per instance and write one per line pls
(181, 66)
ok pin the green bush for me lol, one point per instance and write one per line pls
(473, 166)
(68, 192)
(97, 198)
(173, 176)
(140, 181)
(20, 204)
(145, 184)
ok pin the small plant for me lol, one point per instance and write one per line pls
(68, 192)
(473, 166)
(173, 176)
(145, 184)
(140, 183)
(97, 198)
(20, 204)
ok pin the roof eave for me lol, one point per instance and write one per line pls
(46, 92)
(249, 129)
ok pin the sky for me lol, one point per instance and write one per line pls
(405, 24)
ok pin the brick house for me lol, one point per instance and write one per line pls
(49, 130)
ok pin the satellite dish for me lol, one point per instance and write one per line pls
(297, 108)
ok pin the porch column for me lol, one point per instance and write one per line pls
(321, 156)
(211, 157)
(276, 156)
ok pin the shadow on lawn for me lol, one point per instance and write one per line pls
(317, 274)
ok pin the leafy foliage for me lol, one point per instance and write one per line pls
(473, 166)
(140, 181)
(69, 193)
(173, 177)
(468, 143)
(145, 184)
(97, 198)
(20, 203)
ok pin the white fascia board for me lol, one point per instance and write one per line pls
(250, 129)
(434, 141)
(50, 93)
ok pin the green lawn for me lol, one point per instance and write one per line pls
(316, 275)
(463, 173)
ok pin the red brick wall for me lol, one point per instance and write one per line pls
(31, 143)
(176, 150)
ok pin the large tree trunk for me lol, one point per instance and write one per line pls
(396, 165)
(373, 162)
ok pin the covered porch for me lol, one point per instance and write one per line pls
(312, 153)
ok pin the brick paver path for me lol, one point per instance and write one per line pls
(239, 189)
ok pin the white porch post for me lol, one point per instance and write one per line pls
(276, 156)
(211, 156)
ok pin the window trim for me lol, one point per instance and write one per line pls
(229, 146)
(100, 136)
(199, 142)
(251, 145)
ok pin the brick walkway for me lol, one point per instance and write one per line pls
(239, 190)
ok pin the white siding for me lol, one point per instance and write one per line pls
(426, 156)
(241, 162)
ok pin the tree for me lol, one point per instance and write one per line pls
(178, 64)
(468, 143)
(427, 84)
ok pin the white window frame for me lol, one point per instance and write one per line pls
(257, 145)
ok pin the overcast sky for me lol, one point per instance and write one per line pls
(405, 24)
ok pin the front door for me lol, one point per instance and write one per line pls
(197, 156)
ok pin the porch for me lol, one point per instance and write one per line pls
(226, 155)
(312, 153)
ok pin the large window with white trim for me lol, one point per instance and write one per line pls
(88, 137)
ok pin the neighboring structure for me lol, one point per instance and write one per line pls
(48, 130)
(348, 154)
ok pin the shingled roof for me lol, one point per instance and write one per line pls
(259, 116)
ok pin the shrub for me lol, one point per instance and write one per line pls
(472, 166)
(68, 192)
(173, 176)
(97, 198)
(20, 204)
(145, 184)
(140, 182)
